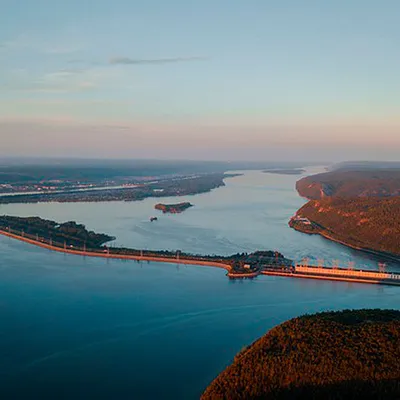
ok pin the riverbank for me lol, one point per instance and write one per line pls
(312, 228)
(386, 256)
(357, 209)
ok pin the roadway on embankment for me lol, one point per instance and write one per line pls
(227, 267)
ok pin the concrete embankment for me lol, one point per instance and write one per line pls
(330, 278)
(227, 267)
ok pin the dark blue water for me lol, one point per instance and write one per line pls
(79, 328)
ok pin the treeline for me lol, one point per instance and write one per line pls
(237, 261)
(69, 233)
(181, 186)
(77, 238)
(334, 355)
(371, 223)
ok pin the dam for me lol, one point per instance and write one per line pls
(335, 274)
(257, 267)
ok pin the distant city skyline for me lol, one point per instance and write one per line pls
(209, 80)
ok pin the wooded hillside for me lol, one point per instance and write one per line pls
(372, 223)
(334, 355)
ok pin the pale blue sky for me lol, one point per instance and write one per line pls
(200, 79)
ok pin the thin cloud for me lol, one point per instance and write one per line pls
(140, 61)
(62, 81)
(42, 45)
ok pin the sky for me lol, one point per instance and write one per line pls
(200, 79)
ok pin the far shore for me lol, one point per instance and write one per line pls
(172, 187)
(294, 171)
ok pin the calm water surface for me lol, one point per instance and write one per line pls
(79, 328)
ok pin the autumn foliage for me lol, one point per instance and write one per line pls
(333, 355)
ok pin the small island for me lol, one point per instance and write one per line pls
(173, 208)
(332, 355)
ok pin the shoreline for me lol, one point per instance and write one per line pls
(326, 232)
(321, 233)
(384, 255)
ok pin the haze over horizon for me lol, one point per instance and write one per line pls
(225, 80)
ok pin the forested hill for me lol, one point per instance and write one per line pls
(334, 355)
(369, 223)
(367, 183)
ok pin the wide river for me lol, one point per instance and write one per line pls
(79, 328)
